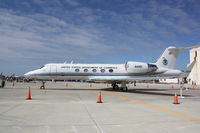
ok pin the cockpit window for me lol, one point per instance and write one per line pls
(41, 67)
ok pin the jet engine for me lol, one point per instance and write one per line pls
(140, 67)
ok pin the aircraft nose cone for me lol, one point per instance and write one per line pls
(28, 74)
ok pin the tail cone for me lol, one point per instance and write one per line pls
(193, 88)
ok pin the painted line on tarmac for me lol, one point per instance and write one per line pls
(156, 107)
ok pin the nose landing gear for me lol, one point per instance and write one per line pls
(115, 87)
(122, 88)
(43, 85)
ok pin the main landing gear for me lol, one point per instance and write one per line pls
(43, 85)
(115, 87)
(122, 88)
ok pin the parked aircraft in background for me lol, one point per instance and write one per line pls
(114, 73)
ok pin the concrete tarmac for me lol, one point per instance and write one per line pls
(68, 107)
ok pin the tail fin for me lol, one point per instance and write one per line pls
(168, 58)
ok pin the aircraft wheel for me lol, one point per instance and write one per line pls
(42, 87)
(124, 89)
(115, 87)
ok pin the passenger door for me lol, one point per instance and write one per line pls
(53, 72)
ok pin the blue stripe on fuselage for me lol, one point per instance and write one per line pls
(96, 74)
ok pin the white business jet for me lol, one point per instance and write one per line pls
(114, 73)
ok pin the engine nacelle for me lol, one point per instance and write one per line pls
(140, 67)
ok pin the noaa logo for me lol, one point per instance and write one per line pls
(165, 62)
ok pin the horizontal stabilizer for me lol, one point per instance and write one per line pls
(183, 48)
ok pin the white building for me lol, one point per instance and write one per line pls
(194, 76)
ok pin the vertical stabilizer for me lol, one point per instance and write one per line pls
(168, 58)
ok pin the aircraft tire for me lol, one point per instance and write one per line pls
(126, 89)
(115, 87)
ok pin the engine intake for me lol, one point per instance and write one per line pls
(152, 67)
(140, 67)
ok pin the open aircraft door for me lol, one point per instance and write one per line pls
(53, 69)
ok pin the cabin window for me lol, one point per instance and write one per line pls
(102, 70)
(110, 70)
(94, 70)
(85, 70)
(77, 70)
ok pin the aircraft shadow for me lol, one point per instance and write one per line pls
(161, 92)
(79, 89)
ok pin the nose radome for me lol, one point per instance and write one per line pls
(27, 74)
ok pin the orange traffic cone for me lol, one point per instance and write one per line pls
(193, 88)
(175, 99)
(99, 98)
(172, 86)
(29, 94)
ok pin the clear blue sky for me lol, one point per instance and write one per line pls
(36, 32)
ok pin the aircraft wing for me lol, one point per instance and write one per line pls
(187, 71)
(119, 79)
(111, 79)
